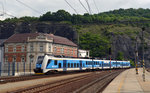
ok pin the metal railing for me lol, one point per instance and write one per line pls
(16, 68)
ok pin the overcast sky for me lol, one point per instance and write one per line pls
(39, 7)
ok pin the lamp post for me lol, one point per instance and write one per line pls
(31, 60)
(110, 49)
(136, 57)
(143, 54)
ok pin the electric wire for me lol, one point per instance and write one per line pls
(88, 6)
(3, 10)
(8, 14)
(83, 6)
(29, 7)
(96, 6)
(71, 6)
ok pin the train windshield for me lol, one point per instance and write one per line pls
(40, 59)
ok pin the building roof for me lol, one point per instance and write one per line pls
(19, 38)
(2, 41)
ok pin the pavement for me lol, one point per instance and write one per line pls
(130, 82)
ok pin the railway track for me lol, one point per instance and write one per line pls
(98, 85)
(76, 84)
(4, 80)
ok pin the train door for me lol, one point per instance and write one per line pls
(102, 64)
(80, 64)
(64, 65)
(59, 65)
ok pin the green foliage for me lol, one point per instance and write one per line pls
(132, 63)
(60, 15)
(22, 19)
(97, 44)
(120, 56)
(126, 16)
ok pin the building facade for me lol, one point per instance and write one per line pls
(83, 53)
(28, 46)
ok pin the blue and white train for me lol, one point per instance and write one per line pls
(46, 64)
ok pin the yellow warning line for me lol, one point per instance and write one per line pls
(121, 83)
(39, 73)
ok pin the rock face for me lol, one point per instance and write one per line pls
(123, 43)
(126, 45)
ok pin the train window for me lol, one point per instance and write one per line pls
(83, 65)
(48, 62)
(71, 65)
(75, 65)
(40, 59)
(86, 62)
(55, 62)
(59, 66)
(68, 65)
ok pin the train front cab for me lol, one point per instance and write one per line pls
(39, 62)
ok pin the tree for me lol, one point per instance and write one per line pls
(61, 15)
(120, 56)
(97, 44)
(46, 17)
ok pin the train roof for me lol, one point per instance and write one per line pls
(59, 58)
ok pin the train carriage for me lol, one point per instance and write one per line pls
(46, 64)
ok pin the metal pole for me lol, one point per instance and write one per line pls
(110, 63)
(24, 67)
(0, 68)
(8, 68)
(78, 45)
(136, 56)
(143, 54)
(13, 68)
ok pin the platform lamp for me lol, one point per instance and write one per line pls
(31, 60)
(136, 57)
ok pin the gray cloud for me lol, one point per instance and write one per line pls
(15, 8)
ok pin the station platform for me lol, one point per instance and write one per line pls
(130, 82)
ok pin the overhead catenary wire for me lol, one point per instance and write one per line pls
(71, 6)
(90, 12)
(96, 6)
(83, 6)
(3, 10)
(29, 7)
(5, 13)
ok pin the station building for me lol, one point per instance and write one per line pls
(27, 47)
(2, 49)
(83, 53)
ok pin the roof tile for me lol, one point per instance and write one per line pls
(18, 38)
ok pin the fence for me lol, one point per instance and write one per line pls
(16, 68)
